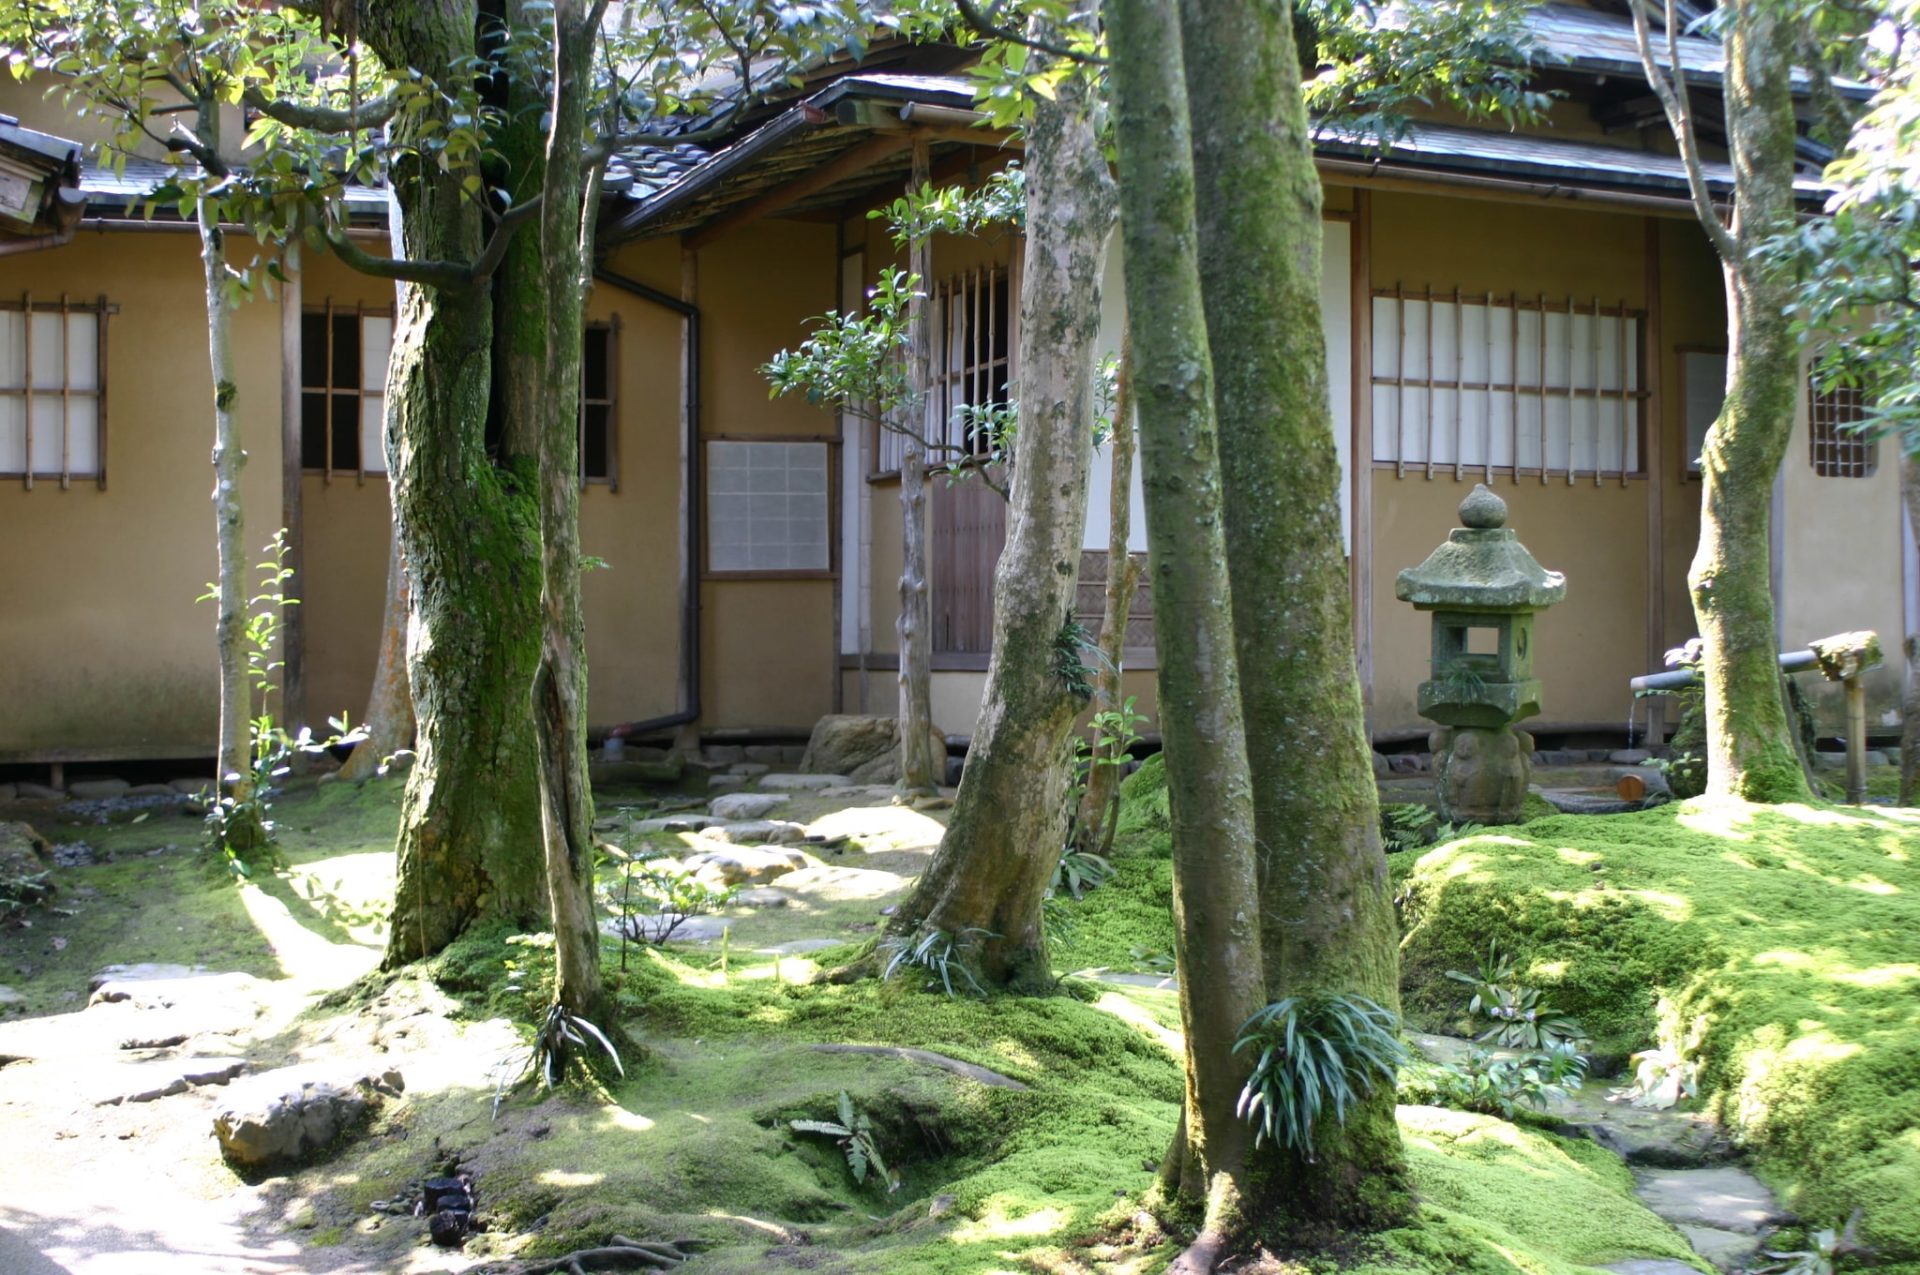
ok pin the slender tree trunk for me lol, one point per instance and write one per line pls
(560, 684)
(1217, 938)
(1100, 804)
(1326, 914)
(235, 750)
(1009, 822)
(470, 822)
(388, 721)
(915, 626)
(1749, 746)
(1910, 708)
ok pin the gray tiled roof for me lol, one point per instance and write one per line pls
(139, 178)
(15, 134)
(1526, 155)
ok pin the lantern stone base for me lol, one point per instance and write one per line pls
(1482, 774)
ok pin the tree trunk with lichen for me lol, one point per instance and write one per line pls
(914, 627)
(1749, 747)
(470, 821)
(560, 682)
(1094, 825)
(388, 722)
(1326, 914)
(986, 883)
(243, 831)
(1216, 936)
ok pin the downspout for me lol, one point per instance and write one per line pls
(690, 709)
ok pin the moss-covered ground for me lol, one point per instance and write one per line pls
(1789, 936)
(722, 1046)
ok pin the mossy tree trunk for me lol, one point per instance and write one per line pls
(914, 628)
(470, 822)
(1910, 708)
(1093, 827)
(388, 721)
(986, 883)
(1749, 743)
(560, 682)
(1217, 937)
(1326, 912)
(235, 754)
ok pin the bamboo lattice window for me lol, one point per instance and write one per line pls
(1484, 384)
(599, 404)
(1839, 450)
(972, 343)
(53, 390)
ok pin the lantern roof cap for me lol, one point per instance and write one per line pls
(1481, 567)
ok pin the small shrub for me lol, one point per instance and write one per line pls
(936, 951)
(1520, 1016)
(1496, 1086)
(1079, 871)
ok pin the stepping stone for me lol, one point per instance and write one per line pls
(799, 947)
(1630, 757)
(719, 785)
(1650, 1266)
(676, 823)
(1724, 1198)
(762, 896)
(1726, 1250)
(149, 1082)
(37, 792)
(747, 805)
(1569, 802)
(10, 997)
(749, 769)
(96, 789)
(754, 831)
(803, 783)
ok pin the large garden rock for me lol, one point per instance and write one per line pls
(754, 832)
(803, 783)
(865, 748)
(285, 1116)
(747, 805)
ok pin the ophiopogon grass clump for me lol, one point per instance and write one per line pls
(1320, 1056)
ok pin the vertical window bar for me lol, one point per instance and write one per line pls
(1460, 379)
(1599, 397)
(1400, 383)
(1573, 393)
(1486, 430)
(326, 383)
(1624, 386)
(359, 392)
(1513, 381)
(1429, 370)
(66, 399)
(100, 389)
(613, 405)
(26, 327)
(1543, 389)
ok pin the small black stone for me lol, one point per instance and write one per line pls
(442, 1193)
(447, 1228)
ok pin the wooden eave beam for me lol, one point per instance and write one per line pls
(851, 164)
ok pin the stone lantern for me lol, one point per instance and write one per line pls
(1483, 589)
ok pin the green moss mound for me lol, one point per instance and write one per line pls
(1788, 931)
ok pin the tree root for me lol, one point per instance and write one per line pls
(619, 1254)
(1201, 1256)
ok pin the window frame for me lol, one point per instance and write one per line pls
(327, 392)
(611, 479)
(102, 310)
(831, 518)
(1834, 451)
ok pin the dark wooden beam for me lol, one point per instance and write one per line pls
(850, 164)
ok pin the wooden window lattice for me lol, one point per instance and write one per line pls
(53, 390)
(1483, 384)
(1839, 451)
(971, 358)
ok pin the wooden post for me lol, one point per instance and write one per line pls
(293, 623)
(1360, 453)
(1856, 740)
(687, 738)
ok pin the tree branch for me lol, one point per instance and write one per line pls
(450, 275)
(985, 26)
(1673, 101)
(323, 119)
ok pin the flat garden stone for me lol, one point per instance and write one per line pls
(151, 1081)
(800, 947)
(10, 997)
(676, 823)
(37, 792)
(1650, 1266)
(749, 769)
(747, 805)
(96, 789)
(1726, 1198)
(763, 896)
(1727, 1250)
(803, 783)
(1630, 757)
(746, 865)
(753, 831)
(7, 792)
(721, 784)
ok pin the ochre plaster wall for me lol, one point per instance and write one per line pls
(103, 651)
